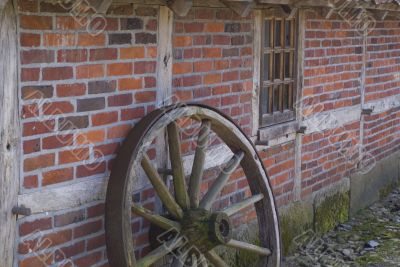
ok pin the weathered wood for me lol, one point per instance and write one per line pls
(161, 188)
(9, 131)
(242, 8)
(221, 180)
(243, 204)
(248, 247)
(159, 252)
(165, 58)
(216, 260)
(180, 7)
(175, 154)
(156, 219)
(101, 7)
(198, 164)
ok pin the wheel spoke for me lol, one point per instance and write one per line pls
(156, 219)
(161, 188)
(243, 204)
(216, 260)
(249, 247)
(194, 260)
(221, 180)
(159, 252)
(198, 164)
(177, 166)
(202, 261)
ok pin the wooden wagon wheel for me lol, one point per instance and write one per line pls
(188, 218)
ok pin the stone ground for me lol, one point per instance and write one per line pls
(371, 238)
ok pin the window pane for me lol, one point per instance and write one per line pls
(267, 33)
(264, 100)
(266, 76)
(286, 96)
(287, 65)
(287, 33)
(278, 25)
(276, 98)
(277, 66)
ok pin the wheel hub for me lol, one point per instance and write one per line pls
(205, 230)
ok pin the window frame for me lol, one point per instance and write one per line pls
(268, 116)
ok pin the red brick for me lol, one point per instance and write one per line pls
(42, 161)
(37, 56)
(69, 218)
(59, 39)
(182, 67)
(194, 27)
(89, 71)
(203, 66)
(182, 41)
(31, 181)
(142, 67)
(145, 97)
(54, 108)
(66, 90)
(29, 227)
(130, 83)
(36, 22)
(39, 260)
(91, 40)
(68, 252)
(118, 69)
(104, 118)
(31, 146)
(103, 54)
(119, 131)
(57, 73)
(75, 155)
(96, 242)
(29, 111)
(91, 137)
(132, 52)
(212, 52)
(150, 82)
(57, 141)
(132, 113)
(72, 55)
(30, 39)
(214, 27)
(88, 228)
(95, 211)
(37, 127)
(30, 74)
(71, 23)
(119, 100)
(28, 6)
(89, 259)
(57, 176)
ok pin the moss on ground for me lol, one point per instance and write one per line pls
(331, 212)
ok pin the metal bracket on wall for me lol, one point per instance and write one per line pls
(21, 210)
(367, 111)
(302, 130)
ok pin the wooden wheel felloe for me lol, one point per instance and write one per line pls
(188, 217)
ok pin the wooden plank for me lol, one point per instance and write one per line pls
(242, 8)
(9, 131)
(165, 58)
(257, 70)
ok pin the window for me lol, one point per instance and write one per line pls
(277, 94)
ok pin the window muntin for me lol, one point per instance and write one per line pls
(277, 75)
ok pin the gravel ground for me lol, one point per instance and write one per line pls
(371, 238)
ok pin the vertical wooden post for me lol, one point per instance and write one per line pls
(9, 131)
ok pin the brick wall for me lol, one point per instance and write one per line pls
(81, 93)
(82, 89)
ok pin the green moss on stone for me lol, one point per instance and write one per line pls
(294, 223)
(331, 211)
(386, 190)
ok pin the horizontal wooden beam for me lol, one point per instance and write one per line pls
(242, 8)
